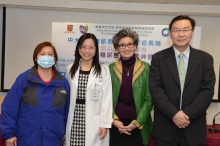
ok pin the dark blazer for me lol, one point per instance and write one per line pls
(197, 94)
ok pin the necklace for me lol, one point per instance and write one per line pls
(129, 69)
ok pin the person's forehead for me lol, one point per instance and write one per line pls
(181, 23)
(47, 49)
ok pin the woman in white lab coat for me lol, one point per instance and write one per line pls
(90, 112)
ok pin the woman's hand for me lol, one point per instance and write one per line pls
(102, 132)
(121, 127)
(11, 142)
(130, 127)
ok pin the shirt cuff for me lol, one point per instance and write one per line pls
(134, 122)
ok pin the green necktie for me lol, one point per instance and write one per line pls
(182, 75)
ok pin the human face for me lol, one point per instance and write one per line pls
(46, 51)
(87, 50)
(127, 52)
(181, 34)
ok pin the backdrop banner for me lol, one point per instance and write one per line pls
(152, 38)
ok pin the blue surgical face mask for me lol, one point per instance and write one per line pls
(45, 61)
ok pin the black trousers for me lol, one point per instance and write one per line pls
(179, 140)
(117, 139)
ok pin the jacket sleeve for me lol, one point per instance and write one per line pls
(204, 97)
(146, 108)
(114, 116)
(67, 103)
(10, 109)
(106, 104)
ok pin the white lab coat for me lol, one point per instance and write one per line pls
(98, 113)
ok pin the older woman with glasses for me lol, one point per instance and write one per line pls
(132, 101)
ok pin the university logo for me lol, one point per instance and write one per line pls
(69, 29)
(165, 32)
(83, 29)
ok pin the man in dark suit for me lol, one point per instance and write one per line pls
(182, 83)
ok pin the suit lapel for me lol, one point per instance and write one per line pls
(192, 65)
(171, 64)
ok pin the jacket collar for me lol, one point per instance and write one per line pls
(33, 76)
(138, 69)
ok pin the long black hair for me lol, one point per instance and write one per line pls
(95, 61)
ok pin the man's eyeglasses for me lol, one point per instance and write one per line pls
(181, 30)
(123, 46)
(90, 48)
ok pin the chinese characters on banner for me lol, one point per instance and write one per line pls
(152, 38)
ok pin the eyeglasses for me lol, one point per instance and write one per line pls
(123, 46)
(84, 48)
(179, 30)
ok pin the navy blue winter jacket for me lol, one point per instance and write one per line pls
(34, 112)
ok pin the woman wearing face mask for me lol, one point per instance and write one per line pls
(34, 112)
(90, 113)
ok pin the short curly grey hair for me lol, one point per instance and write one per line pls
(126, 32)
